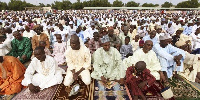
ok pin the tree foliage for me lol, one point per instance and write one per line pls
(188, 4)
(150, 5)
(3, 6)
(18, 5)
(132, 4)
(167, 5)
(66, 4)
(118, 3)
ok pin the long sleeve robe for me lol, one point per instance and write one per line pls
(166, 58)
(59, 52)
(191, 60)
(43, 75)
(133, 81)
(149, 58)
(107, 64)
(36, 39)
(20, 48)
(15, 74)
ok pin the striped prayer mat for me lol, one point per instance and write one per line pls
(85, 92)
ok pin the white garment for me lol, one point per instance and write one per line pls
(149, 58)
(77, 59)
(29, 34)
(195, 41)
(48, 73)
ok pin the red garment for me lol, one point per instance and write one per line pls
(132, 81)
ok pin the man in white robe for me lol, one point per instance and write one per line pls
(43, 72)
(191, 63)
(170, 57)
(78, 59)
(5, 45)
(147, 55)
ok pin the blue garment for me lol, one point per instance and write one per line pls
(188, 30)
(154, 40)
(80, 35)
(166, 58)
(197, 51)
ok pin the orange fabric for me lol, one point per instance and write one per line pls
(35, 40)
(15, 74)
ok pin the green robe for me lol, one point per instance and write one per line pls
(20, 48)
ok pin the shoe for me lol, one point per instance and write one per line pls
(75, 90)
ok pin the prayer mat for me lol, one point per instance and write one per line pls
(7, 97)
(45, 94)
(153, 92)
(85, 92)
(184, 90)
(112, 92)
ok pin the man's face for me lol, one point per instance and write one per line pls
(153, 34)
(164, 43)
(75, 45)
(106, 46)
(178, 33)
(125, 32)
(147, 46)
(96, 37)
(39, 54)
(127, 40)
(37, 30)
(17, 36)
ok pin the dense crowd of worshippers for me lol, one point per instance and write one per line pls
(136, 49)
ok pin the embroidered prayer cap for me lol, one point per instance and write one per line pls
(179, 43)
(105, 39)
(164, 37)
(158, 27)
(181, 29)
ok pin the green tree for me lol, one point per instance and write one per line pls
(150, 5)
(66, 4)
(41, 5)
(77, 5)
(48, 5)
(3, 6)
(188, 4)
(132, 4)
(118, 3)
(167, 5)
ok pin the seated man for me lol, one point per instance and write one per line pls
(147, 55)
(170, 57)
(43, 72)
(5, 45)
(108, 66)
(78, 59)
(191, 63)
(21, 47)
(40, 36)
(139, 79)
(11, 74)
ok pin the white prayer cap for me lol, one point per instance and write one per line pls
(105, 39)
(92, 24)
(70, 22)
(73, 32)
(103, 25)
(163, 37)
(190, 22)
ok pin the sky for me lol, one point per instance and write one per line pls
(36, 2)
